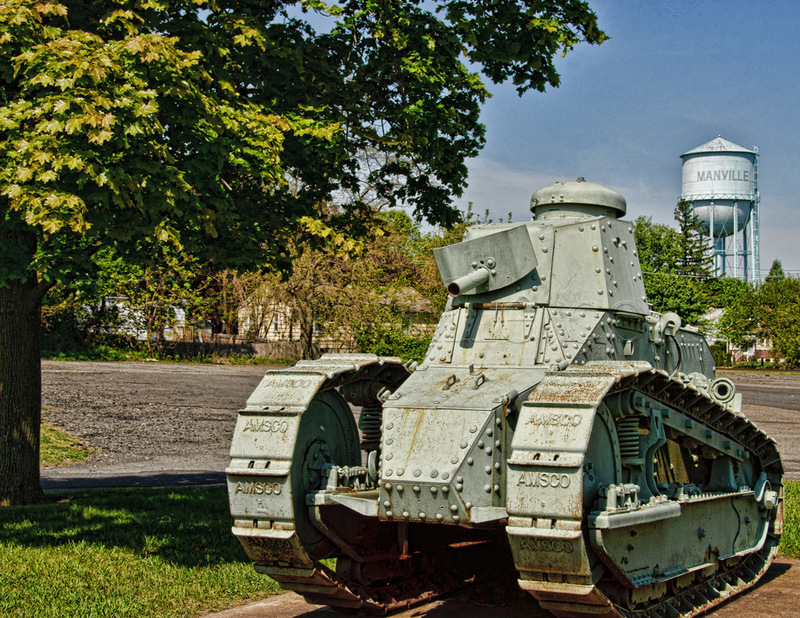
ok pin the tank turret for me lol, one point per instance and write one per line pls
(557, 427)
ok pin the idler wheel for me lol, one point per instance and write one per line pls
(327, 435)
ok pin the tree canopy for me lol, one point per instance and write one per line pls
(215, 124)
(669, 285)
(768, 312)
(676, 272)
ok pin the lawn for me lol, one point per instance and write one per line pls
(124, 552)
(149, 552)
(790, 540)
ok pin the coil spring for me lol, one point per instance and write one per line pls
(370, 423)
(628, 434)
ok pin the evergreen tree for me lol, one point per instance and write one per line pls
(776, 273)
(694, 258)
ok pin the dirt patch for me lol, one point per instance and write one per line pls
(147, 416)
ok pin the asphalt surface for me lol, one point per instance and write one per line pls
(777, 595)
(150, 424)
(157, 424)
(176, 478)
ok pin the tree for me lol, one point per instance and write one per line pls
(670, 292)
(768, 312)
(741, 322)
(657, 245)
(149, 296)
(112, 135)
(675, 264)
(725, 292)
(355, 297)
(135, 123)
(382, 297)
(661, 256)
(776, 273)
(694, 259)
(779, 321)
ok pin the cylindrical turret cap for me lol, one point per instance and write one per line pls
(577, 197)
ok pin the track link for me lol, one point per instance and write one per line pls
(325, 587)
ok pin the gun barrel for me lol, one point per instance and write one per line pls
(468, 282)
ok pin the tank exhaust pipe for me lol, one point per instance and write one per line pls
(477, 277)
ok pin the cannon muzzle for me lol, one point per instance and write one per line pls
(468, 282)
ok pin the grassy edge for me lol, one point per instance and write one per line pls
(60, 449)
(117, 355)
(790, 540)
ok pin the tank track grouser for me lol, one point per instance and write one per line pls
(558, 433)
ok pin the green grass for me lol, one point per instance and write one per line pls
(112, 354)
(790, 540)
(124, 552)
(150, 552)
(59, 448)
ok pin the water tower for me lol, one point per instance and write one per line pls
(720, 181)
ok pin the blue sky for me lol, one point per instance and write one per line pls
(673, 76)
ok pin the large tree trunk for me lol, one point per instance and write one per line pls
(20, 392)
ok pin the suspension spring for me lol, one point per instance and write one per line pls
(370, 425)
(628, 434)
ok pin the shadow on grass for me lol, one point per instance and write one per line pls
(185, 526)
(143, 479)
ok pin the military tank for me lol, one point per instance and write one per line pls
(559, 434)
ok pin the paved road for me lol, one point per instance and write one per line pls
(164, 424)
(164, 478)
(152, 424)
(777, 595)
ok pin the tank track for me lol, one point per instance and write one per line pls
(696, 592)
(325, 587)
(276, 547)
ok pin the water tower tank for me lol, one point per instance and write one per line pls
(719, 179)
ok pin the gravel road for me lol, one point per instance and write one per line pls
(149, 423)
(176, 421)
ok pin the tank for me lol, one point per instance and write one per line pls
(559, 435)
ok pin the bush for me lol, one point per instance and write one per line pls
(391, 340)
(722, 358)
